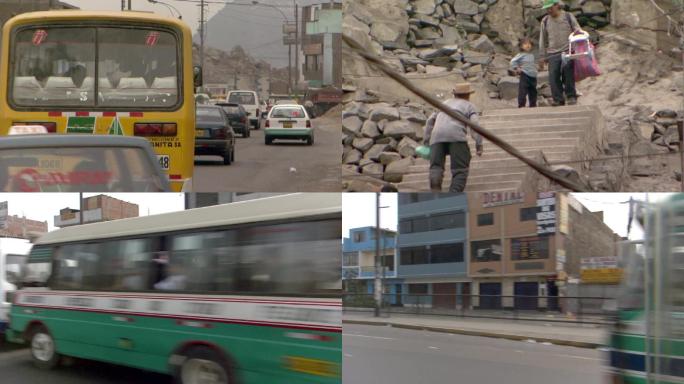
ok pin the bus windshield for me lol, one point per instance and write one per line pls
(58, 66)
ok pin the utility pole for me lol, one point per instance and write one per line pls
(289, 69)
(378, 282)
(123, 5)
(296, 17)
(80, 207)
(202, 28)
(129, 5)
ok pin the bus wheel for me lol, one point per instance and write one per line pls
(43, 349)
(204, 366)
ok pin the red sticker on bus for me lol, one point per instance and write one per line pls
(31, 180)
(39, 36)
(152, 38)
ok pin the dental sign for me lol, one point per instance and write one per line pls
(546, 213)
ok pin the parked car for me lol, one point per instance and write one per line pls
(237, 116)
(289, 121)
(249, 100)
(79, 163)
(214, 135)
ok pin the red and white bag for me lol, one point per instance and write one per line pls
(581, 50)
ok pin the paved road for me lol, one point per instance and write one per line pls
(262, 168)
(16, 368)
(398, 356)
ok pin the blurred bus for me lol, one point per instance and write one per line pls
(647, 343)
(247, 292)
(102, 73)
(12, 263)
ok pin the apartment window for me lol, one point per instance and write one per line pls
(446, 253)
(312, 63)
(529, 248)
(527, 214)
(485, 250)
(359, 237)
(414, 255)
(387, 261)
(350, 258)
(485, 219)
(447, 221)
(405, 226)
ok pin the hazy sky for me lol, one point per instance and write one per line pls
(44, 206)
(359, 210)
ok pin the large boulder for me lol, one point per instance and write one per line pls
(389, 157)
(594, 8)
(399, 128)
(482, 44)
(375, 151)
(373, 170)
(412, 114)
(362, 143)
(384, 113)
(465, 7)
(508, 87)
(395, 171)
(407, 147)
(506, 19)
(426, 7)
(370, 129)
(352, 125)
(352, 157)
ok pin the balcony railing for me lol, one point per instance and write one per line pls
(369, 272)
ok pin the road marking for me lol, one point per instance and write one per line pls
(347, 355)
(369, 337)
(519, 351)
(431, 347)
(581, 357)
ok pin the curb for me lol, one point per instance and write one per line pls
(569, 343)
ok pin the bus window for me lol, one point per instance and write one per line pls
(126, 264)
(51, 66)
(633, 285)
(77, 267)
(140, 64)
(15, 266)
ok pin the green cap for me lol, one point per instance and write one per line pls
(550, 3)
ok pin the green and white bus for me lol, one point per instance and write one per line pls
(647, 344)
(245, 293)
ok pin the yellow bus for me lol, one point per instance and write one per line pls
(103, 73)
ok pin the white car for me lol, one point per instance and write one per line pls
(250, 101)
(290, 122)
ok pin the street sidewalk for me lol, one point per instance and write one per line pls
(577, 335)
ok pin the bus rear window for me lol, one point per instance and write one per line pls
(55, 67)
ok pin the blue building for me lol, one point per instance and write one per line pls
(358, 261)
(431, 247)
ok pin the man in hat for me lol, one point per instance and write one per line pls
(447, 136)
(556, 27)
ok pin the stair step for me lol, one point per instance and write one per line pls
(498, 176)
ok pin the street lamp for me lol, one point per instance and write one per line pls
(378, 281)
(169, 6)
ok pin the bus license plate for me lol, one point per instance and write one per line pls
(311, 366)
(287, 124)
(164, 162)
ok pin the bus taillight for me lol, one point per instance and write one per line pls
(155, 129)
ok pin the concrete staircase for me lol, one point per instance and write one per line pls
(547, 134)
